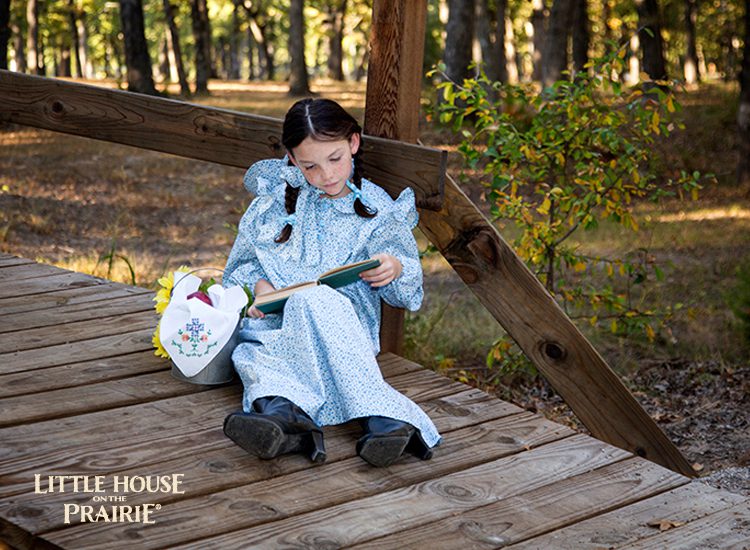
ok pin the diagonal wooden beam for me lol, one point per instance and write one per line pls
(521, 304)
(206, 133)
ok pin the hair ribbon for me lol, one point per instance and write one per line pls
(289, 220)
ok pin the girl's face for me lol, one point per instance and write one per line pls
(326, 165)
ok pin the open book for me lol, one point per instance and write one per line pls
(341, 276)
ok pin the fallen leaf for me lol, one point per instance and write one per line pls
(665, 524)
(697, 466)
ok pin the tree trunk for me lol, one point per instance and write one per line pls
(202, 46)
(298, 82)
(336, 14)
(265, 55)
(234, 43)
(490, 32)
(580, 35)
(173, 41)
(35, 61)
(364, 62)
(458, 42)
(743, 112)
(251, 48)
(555, 55)
(512, 63)
(20, 48)
(73, 19)
(137, 60)
(649, 36)
(539, 25)
(692, 74)
(4, 32)
(82, 46)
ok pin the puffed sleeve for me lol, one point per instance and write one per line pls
(263, 177)
(394, 236)
(242, 266)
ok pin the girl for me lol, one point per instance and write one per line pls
(314, 365)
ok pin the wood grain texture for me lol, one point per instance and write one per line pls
(206, 133)
(346, 480)
(545, 509)
(516, 298)
(630, 523)
(729, 528)
(372, 517)
(29, 270)
(394, 79)
(64, 281)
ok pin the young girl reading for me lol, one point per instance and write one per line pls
(314, 364)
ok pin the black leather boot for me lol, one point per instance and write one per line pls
(276, 426)
(386, 439)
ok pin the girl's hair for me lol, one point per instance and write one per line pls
(323, 120)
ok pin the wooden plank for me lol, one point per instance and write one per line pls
(28, 271)
(542, 510)
(394, 86)
(516, 298)
(62, 354)
(227, 467)
(728, 528)
(7, 260)
(92, 397)
(64, 281)
(372, 517)
(74, 375)
(76, 332)
(206, 133)
(11, 305)
(334, 484)
(56, 443)
(630, 523)
(115, 305)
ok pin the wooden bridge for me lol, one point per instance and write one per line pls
(83, 395)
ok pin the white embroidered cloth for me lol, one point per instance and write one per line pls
(193, 332)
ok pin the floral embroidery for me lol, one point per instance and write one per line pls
(194, 334)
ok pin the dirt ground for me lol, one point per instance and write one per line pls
(69, 201)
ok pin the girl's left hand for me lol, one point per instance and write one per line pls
(388, 270)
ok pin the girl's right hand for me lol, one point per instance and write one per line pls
(255, 313)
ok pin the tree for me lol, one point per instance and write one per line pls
(649, 36)
(335, 13)
(173, 44)
(555, 58)
(490, 31)
(202, 37)
(4, 32)
(459, 35)
(35, 60)
(137, 59)
(580, 32)
(73, 18)
(298, 81)
(692, 74)
(743, 111)
(539, 26)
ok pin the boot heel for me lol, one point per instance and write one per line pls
(318, 452)
(418, 447)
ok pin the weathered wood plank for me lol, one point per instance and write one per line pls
(115, 305)
(542, 510)
(372, 517)
(51, 283)
(206, 133)
(630, 523)
(728, 528)
(28, 271)
(98, 348)
(11, 305)
(227, 467)
(8, 260)
(74, 375)
(337, 483)
(516, 298)
(76, 332)
(50, 444)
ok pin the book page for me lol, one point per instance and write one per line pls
(343, 268)
(282, 293)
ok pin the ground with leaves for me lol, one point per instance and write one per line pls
(71, 201)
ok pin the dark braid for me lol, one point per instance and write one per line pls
(359, 207)
(290, 203)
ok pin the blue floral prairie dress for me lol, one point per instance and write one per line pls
(320, 352)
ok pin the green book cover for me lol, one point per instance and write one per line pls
(335, 278)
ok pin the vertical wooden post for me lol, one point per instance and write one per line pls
(394, 82)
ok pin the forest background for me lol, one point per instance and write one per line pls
(681, 270)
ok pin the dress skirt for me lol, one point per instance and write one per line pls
(318, 355)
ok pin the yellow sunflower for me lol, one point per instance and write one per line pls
(165, 292)
(160, 351)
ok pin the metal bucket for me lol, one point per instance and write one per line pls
(220, 370)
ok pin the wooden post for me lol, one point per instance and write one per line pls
(394, 83)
